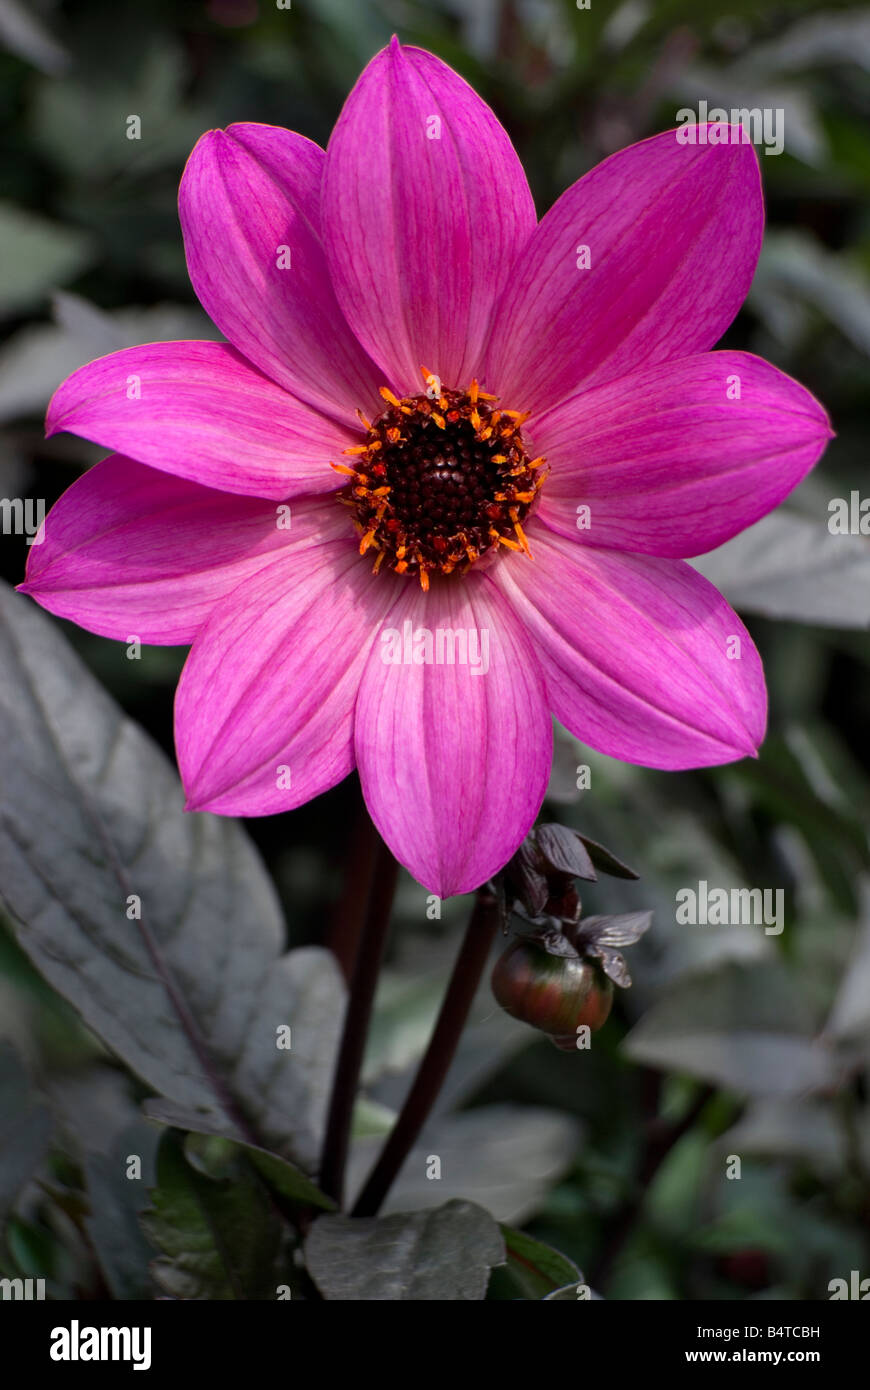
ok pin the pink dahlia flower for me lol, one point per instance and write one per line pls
(437, 484)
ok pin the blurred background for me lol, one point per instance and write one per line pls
(731, 1041)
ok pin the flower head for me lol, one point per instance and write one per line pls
(439, 482)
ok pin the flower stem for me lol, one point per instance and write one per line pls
(353, 1040)
(348, 917)
(473, 953)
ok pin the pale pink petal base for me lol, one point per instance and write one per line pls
(264, 708)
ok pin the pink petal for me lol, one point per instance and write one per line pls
(132, 552)
(635, 654)
(264, 708)
(250, 196)
(425, 207)
(669, 461)
(203, 414)
(454, 759)
(673, 233)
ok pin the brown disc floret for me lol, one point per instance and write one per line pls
(442, 479)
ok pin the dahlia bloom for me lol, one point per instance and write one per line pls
(437, 485)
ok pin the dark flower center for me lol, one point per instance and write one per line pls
(442, 479)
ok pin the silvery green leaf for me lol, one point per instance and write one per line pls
(443, 1255)
(787, 566)
(35, 256)
(744, 1027)
(192, 992)
(505, 1157)
(25, 1130)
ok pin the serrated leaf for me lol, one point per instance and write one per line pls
(444, 1255)
(191, 995)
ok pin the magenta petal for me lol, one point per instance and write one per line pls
(198, 410)
(130, 552)
(264, 709)
(676, 459)
(453, 759)
(425, 207)
(673, 233)
(642, 657)
(249, 204)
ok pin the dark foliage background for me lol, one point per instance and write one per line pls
(731, 1042)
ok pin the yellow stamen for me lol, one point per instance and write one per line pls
(521, 536)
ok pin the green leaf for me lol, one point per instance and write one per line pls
(568, 1294)
(371, 1119)
(790, 566)
(740, 1026)
(503, 1157)
(100, 1125)
(850, 1016)
(116, 1205)
(25, 1131)
(191, 995)
(215, 1155)
(795, 266)
(405, 1011)
(218, 1239)
(537, 1268)
(24, 33)
(40, 355)
(444, 1255)
(35, 256)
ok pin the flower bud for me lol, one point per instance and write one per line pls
(554, 993)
